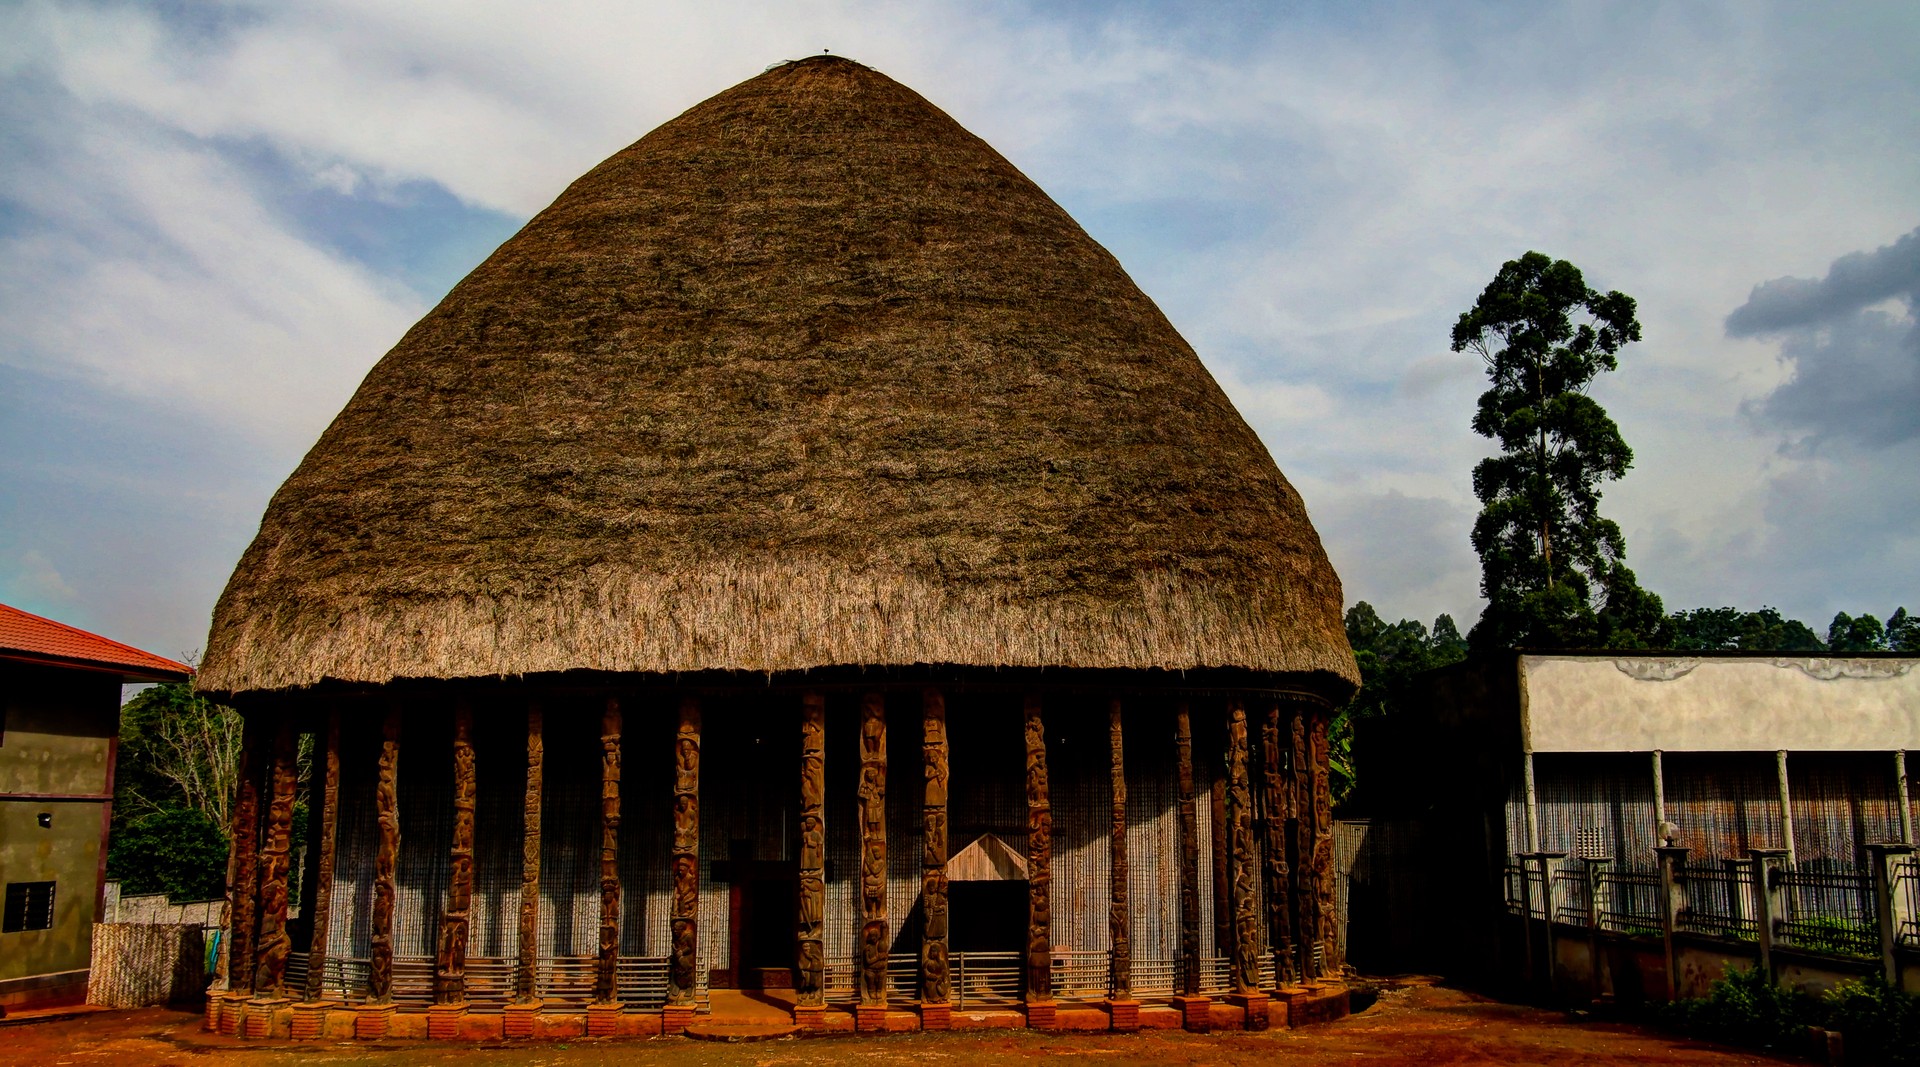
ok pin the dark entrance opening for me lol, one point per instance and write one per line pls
(765, 932)
(987, 916)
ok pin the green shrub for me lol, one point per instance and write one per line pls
(1744, 1008)
(179, 852)
(1881, 1024)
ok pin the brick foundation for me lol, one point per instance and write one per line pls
(518, 1019)
(675, 1018)
(372, 1022)
(309, 1021)
(1042, 1015)
(603, 1019)
(1123, 1015)
(1196, 1013)
(810, 1017)
(443, 1021)
(936, 1016)
(1254, 1006)
(870, 1017)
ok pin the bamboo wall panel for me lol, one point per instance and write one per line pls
(1723, 803)
(1841, 801)
(1589, 802)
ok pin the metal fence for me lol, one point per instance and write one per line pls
(1905, 877)
(1829, 909)
(1722, 900)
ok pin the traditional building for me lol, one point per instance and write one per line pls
(59, 734)
(800, 558)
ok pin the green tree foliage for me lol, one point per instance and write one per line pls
(1730, 629)
(1389, 655)
(1864, 633)
(1552, 569)
(173, 791)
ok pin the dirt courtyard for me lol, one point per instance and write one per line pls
(1419, 1024)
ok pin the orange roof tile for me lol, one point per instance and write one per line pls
(24, 636)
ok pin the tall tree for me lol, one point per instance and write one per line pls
(1552, 569)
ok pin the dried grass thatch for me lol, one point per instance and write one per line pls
(808, 376)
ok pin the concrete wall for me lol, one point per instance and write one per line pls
(55, 751)
(1632, 703)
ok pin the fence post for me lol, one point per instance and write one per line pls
(1526, 917)
(1551, 864)
(1770, 900)
(1673, 901)
(1595, 908)
(1887, 908)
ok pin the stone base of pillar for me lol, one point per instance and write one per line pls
(810, 1016)
(1255, 1005)
(309, 1020)
(519, 1019)
(1196, 1013)
(259, 1018)
(936, 1017)
(603, 1019)
(443, 1020)
(870, 1017)
(1043, 1014)
(214, 999)
(372, 1021)
(1123, 1015)
(232, 1007)
(675, 1018)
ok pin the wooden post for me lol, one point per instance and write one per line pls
(524, 985)
(1244, 898)
(1119, 905)
(1275, 794)
(320, 905)
(606, 970)
(1188, 817)
(1222, 880)
(276, 867)
(386, 856)
(810, 950)
(1327, 918)
(450, 957)
(243, 907)
(1039, 863)
(873, 851)
(682, 977)
(934, 988)
(1305, 900)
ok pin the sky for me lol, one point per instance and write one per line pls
(215, 217)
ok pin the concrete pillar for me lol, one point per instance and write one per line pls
(1770, 901)
(1890, 910)
(1673, 901)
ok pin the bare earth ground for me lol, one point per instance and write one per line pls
(1422, 1024)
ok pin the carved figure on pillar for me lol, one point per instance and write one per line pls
(1187, 813)
(324, 850)
(681, 967)
(1243, 897)
(606, 971)
(1300, 789)
(1039, 858)
(450, 961)
(933, 878)
(242, 896)
(1273, 783)
(1222, 879)
(524, 988)
(810, 955)
(873, 849)
(276, 867)
(1325, 917)
(1119, 919)
(386, 855)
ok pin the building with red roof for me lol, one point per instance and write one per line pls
(59, 735)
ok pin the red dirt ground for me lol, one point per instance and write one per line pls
(1417, 1025)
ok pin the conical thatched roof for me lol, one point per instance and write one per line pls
(808, 376)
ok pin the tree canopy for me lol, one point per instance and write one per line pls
(1553, 569)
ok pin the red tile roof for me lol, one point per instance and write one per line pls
(24, 636)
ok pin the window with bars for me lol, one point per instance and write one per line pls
(29, 906)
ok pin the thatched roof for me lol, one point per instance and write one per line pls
(808, 376)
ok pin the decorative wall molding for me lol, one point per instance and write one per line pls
(1664, 669)
(1827, 670)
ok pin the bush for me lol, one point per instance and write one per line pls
(1881, 1024)
(1744, 1008)
(179, 852)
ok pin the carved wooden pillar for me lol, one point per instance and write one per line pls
(606, 969)
(873, 850)
(933, 865)
(243, 904)
(1244, 898)
(450, 957)
(1039, 858)
(1189, 819)
(1119, 917)
(1305, 901)
(810, 949)
(524, 983)
(1274, 794)
(682, 978)
(320, 904)
(276, 867)
(1326, 926)
(386, 856)
(1222, 880)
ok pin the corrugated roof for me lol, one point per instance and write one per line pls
(24, 635)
